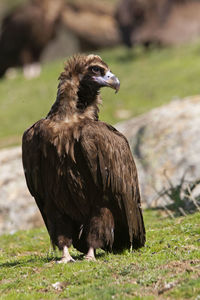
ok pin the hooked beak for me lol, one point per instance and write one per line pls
(109, 79)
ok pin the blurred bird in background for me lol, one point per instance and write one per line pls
(25, 32)
(158, 22)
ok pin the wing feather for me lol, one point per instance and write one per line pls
(113, 170)
(31, 158)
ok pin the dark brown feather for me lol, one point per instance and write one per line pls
(26, 31)
(81, 171)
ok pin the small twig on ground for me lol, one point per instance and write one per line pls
(182, 211)
(190, 196)
(168, 212)
(166, 209)
(179, 197)
(167, 287)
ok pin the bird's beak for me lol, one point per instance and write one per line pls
(109, 79)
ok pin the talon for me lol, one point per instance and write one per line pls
(90, 258)
(66, 257)
(90, 255)
(65, 260)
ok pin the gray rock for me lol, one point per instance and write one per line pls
(165, 141)
(17, 207)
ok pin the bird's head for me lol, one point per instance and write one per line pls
(89, 71)
(78, 89)
(97, 74)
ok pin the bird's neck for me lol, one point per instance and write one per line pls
(73, 105)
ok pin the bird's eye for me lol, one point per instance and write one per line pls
(95, 69)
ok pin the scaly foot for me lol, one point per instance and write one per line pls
(66, 257)
(90, 255)
(65, 260)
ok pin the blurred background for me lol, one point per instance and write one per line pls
(153, 46)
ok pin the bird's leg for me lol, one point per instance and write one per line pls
(66, 258)
(90, 255)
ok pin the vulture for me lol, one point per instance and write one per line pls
(80, 170)
(158, 22)
(25, 32)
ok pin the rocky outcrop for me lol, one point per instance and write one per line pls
(17, 208)
(93, 24)
(166, 145)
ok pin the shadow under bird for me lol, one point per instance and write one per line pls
(80, 170)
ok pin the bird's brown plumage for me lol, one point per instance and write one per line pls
(26, 31)
(80, 170)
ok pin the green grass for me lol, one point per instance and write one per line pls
(148, 79)
(171, 256)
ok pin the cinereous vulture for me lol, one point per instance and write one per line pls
(25, 33)
(80, 170)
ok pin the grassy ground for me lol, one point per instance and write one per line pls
(168, 267)
(147, 80)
